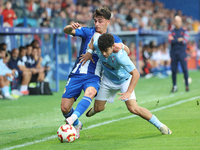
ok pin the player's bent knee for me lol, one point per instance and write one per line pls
(66, 104)
(65, 109)
(90, 92)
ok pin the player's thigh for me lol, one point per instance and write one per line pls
(91, 86)
(106, 92)
(73, 88)
(124, 88)
(183, 61)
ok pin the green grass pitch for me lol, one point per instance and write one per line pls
(31, 122)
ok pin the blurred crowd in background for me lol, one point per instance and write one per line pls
(126, 14)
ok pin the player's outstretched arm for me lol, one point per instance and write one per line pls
(134, 79)
(88, 55)
(70, 29)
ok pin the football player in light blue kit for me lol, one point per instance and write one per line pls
(119, 74)
(85, 77)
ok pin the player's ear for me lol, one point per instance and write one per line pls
(113, 46)
(108, 22)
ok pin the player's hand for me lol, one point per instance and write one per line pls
(41, 70)
(117, 47)
(124, 96)
(10, 15)
(180, 39)
(85, 57)
(9, 75)
(75, 25)
(171, 37)
(13, 71)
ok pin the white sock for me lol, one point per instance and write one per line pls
(5, 91)
(7, 94)
(74, 117)
(24, 88)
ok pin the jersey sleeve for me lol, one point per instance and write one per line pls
(82, 32)
(185, 37)
(20, 63)
(5, 69)
(124, 60)
(117, 39)
(95, 40)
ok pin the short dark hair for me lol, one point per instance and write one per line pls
(3, 44)
(102, 12)
(105, 41)
(2, 49)
(28, 45)
(21, 48)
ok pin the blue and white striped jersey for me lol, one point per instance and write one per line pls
(89, 68)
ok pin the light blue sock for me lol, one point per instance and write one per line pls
(82, 106)
(154, 120)
(168, 67)
(5, 90)
(69, 114)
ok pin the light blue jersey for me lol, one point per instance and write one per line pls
(117, 66)
(4, 69)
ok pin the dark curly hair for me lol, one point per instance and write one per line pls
(105, 41)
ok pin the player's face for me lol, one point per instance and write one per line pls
(178, 23)
(15, 54)
(101, 24)
(29, 50)
(23, 52)
(2, 54)
(108, 52)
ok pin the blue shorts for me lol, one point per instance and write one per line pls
(77, 83)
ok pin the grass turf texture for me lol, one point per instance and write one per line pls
(33, 118)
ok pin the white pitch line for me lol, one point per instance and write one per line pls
(103, 123)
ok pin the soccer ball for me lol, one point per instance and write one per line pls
(189, 80)
(66, 133)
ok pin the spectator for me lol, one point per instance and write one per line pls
(56, 9)
(41, 9)
(8, 15)
(1, 6)
(6, 59)
(31, 7)
(4, 45)
(12, 64)
(30, 61)
(146, 54)
(166, 60)
(6, 75)
(26, 72)
(38, 70)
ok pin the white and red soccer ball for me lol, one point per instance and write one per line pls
(66, 133)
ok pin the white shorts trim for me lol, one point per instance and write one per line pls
(108, 90)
